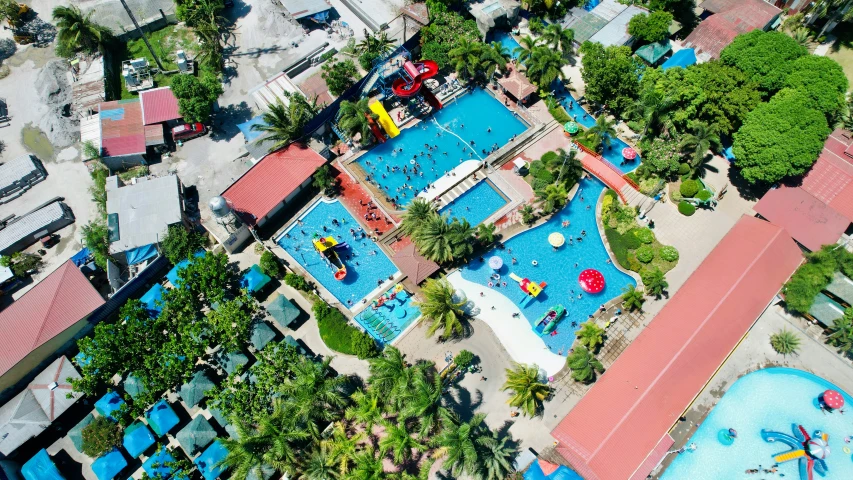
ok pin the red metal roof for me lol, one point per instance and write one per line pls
(731, 18)
(122, 132)
(271, 180)
(619, 430)
(830, 179)
(60, 300)
(159, 105)
(810, 221)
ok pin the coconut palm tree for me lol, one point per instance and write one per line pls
(524, 50)
(313, 394)
(342, 447)
(553, 196)
(602, 132)
(388, 371)
(418, 210)
(270, 445)
(590, 335)
(655, 282)
(461, 234)
(368, 466)
(653, 107)
(485, 233)
(77, 31)
(632, 299)
(434, 239)
(399, 441)
(697, 144)
(841, 332)
(441, 309)
(316, 466)
(544, 66)
(559, 38)
(282, 123)
(583, 365)
(423, 402)
(210, 51)
(528, 214)
(837, 11)
(785, 342)
(378, 43)
(495, 457)
(528, 392)
(495, 56)
(457, 443)
(568, 167)
(356, 117)
(367, 408)
(466, 58)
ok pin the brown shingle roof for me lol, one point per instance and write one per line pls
(517, 85)
(413, 264)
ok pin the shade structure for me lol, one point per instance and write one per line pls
(109, 404)
(137, 439)
(133, 386)
(283, 311)
(262, 334)
(496, 262)
(196, 389)
(41, 467)
(832, 399)
(232, 361)
(172, 276)
(76, 432)
(254, 280)
(571, 127)
(208, 461)
(591, 281)
(556, 239)
(681, 59)
(293, 343)
(108, 466)
(157, 465)
(196, 435)
(629, 153)
(152, 300)
(161, 418)
(818, 448)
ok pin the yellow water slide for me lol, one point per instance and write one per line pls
(784, 457)
(384, 120)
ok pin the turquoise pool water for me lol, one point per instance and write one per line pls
(470, 116)
(559, 269)
(365, 261)
(477, 203)
(505, 39)
(772, 399)
(385, 322)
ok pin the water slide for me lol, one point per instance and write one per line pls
(784, 457)
(384, 120)
(417, 73)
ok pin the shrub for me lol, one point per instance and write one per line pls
(548, 158)
(634, 265)
(463, 358)
(607, 203)
(559, 114)
(535, 25)
(661, 156)
(540, 172)
(101, 436)
(644, 235)
(668, 253)
(686, 209)
(689, 188)
(675, 195)
(704, 195)
(363, 345)
(540, 184)
(335, 329)
(297, 281)
(270, 265)
(366, 60)
(683, 169)
(645, 253)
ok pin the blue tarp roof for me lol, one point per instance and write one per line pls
(82, 257)
(254, 279)
(246, 128)
(82, 359)
(562, 473)
(41, 467)
(140, 254)
(682, 58)
(172, 276)
(109, 465)
(161, 418)
(151, 299)
(137, 439)
(156, 464)
(209, 459)
(108, 404)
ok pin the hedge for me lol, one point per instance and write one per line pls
(644, 235)
(683, 169)
(689, 188)
(297, 281)
(645, 254)
(668, 253)
(686, 208)
(560, 115)
(621, 245)
(338, 334)
(704, 195)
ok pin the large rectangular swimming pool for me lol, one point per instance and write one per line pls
(477, 203)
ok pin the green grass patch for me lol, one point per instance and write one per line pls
(339, 335)
(626, 245)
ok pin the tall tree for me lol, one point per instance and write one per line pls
(697, 144)
(434, 239)
(77, 31)
(559, 38)
(841, 332)
(466, 58)
(367, 408)
(495, 457)
(417, 211)
(441, 308)
(610, 75)
(632, 298)
(590, 335)
(528, 392)
(317, 466)
(653, 27)
(313, 394)
(835, 11)
(603, 132)
(422, 402)
(356, 117)
(544, 66)
(653, 108)
(822, 81)
(524, 50)
(400, 442)
(553, 196)
(286, 123)
(764, 56)
(457, 443)
(583, 365)
(655, 282)
(342, 447)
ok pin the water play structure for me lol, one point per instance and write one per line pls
(591, 281)
(811, 451)
(548, 322)
(410, 82)
(328, 247)
(384, 120)
(531, 289)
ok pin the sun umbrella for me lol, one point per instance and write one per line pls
(591, 281)
(629, 153)
(818, 448)
(496, 262)
(571, 127)
(833, 399)
(556, 239)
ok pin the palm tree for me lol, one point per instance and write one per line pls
(554, 197)
(367, 466)
(271, 445)
(418, 210)
(785, 342)
(655, 282)
(801, 36)
(559, 38)
(313, 394)
(697, 144)
(524, 50)
(356, 117)
(841, 335)
(590, 335)
(461, 234)
(528, 392)
(366, 409)
(388, 372)
(528, 214)
(284, 123)
(632, 299)
(400, 441)
(316, 466)
(78, 32)
(495, 56)
(602, 132)
(378, 43)
(434, 239)
(568, 166)
(544, 66)
(466, 58)
(485, 232)
(653, 107)
(342, 447)
(210, 52)
(440, 309)
(837, 10)
(495, 457)
(583, 365)
(457, 442)
(423, 402)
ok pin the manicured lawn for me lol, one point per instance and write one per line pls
(842, 51)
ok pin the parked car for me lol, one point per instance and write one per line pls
(187, 131)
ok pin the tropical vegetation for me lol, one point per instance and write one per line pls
(282, 124)
(442, 308)
(785, 342)
(527, 389)
(357, 118)
(77, 31)
(180, 243)
(584, 365)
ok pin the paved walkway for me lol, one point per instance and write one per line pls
(354, 196)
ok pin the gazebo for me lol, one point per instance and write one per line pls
(76, 432)
(414, 265)
(197, 435)
(293, 343)
(231, 361)
(223, 422)
(109, 404)
(196, 389)
(208, 461)
(137, 439)
(41, 467)
(133, 386)
(108, 466)
(517, 86)
(254, 279)
(654, 52)
(156, 466)
(283, 311)
(261, 335)
(161, 418)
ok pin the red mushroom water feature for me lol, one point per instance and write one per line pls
(832, 399)
(591, 281)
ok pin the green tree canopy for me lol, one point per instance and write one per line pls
(822, 81)
(196, 95)
(764, 57)
(653, 27)
(610, 74)
(779, 139)
(444, 32)
(339, 76)
(180, 244)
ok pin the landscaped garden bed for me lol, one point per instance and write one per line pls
(634, 247)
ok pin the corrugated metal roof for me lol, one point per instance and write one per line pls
(159, 105)
(18, 169)
(731, 18)
(154, 135)
(830, 179)
(841, 287)
(413, 264)
(271, 180)
(303, 8)
(30, 224)
(810, 221)
(122, 131)
(145, 210)
(59, 301)
(611, 433)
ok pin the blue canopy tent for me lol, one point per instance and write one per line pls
(140, 254)
(41, 467)
(108, 404)
(682, 58)
(208, 461)
(82, 257)
(108, 466)
(137, 439)
(153, 299)
(156, 466)
(561, 473)
(254, 279)
(172, 276)
(246, 128)
(161, 418)
(81, 359)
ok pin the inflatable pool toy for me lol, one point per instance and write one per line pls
(727, 436)
(328, 247)
(532, 289)
(534, 263)
(810, 451)
(591, 281)
(831, 399)
(548, 322)
(846, 450)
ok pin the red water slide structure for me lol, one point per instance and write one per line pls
(417, 72)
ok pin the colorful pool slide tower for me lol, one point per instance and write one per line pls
(412, 79)
(809, 450)
(387, 124)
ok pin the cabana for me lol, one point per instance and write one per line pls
(196, 389)
(156, 466)
(262, 334)
(653, 52)
(223, 422)
(293, 343)
(841, 287)
(108, 466)
(76, 432)
(197, 435)
(161, 418)
(133, 386)
(109, 404)
(231, 361)
(153, 300)
(283, 311)
(208, 461)
(137, 439)
(172, 276)
(41, 467)
(254, 279)
(681, 59)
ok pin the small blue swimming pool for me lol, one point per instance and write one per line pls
(477, 203)
(590, 4)
(506, 40)
(774, 399)
(482, 123)
(366, 263)
(386, 318)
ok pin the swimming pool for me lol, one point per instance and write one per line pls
(559, 269)
(771, 399)
(477, 203)
(387, 321)
(506, 40)
(365, 262)
(476, 117)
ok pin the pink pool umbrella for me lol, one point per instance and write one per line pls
(629, 153)
(591, 281)
(832, 399)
